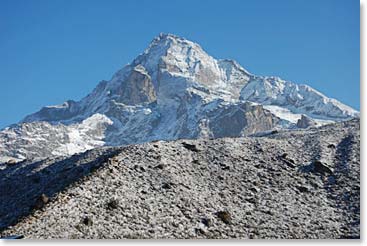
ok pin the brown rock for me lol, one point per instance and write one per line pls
(41, 201)
(225, 216)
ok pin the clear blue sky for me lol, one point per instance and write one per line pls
(54, 50)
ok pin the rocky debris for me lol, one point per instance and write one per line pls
(191, 147)
(289, 162)
(166, 186)
(41, 201)
(302, 188)
(113, 204)
(258, 197)
(29, 185)
(159, 166)
(319, 167)
(225, 216)
(11, 162)
(87, 221)
(331, 146)
(207, 222)
(305, 122)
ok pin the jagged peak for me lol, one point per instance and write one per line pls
(237, 66)
(165, 41)
(164, 36)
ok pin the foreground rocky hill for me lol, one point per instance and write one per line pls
(289, 184)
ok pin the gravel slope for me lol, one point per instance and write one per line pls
(292, 184)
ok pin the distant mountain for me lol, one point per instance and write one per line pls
(173, 90)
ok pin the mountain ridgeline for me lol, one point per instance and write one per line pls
(173, 90)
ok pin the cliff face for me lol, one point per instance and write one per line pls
(137, 88)
(242, 120)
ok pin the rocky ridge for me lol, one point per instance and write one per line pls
(286, 184)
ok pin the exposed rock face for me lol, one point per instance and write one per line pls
(137, 89)
(64, 111)
(266, 187)
(241, 120)
(305, 122)
(173, 90)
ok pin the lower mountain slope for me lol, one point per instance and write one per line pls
(288, 184)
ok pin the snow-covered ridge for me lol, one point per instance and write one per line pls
(173, 90)
(297, 98)
(41, 139)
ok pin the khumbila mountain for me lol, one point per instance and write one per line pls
(173, 90)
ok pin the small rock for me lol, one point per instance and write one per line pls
(305, 122)
(284, 155)
(166, 186)
(41, 201)
(254, 189)
(290, 163)
(224, 216)
(286, 160)
(191, 147)
(159, 166)
(302, 189)
(331, 146)
(207, 222)
(251, 200)
(225, 167)
(319, 167)
(11, 162)
(87, 221)
(112, 204)
(199, 231)
(269, 212)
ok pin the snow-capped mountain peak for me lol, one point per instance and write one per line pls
(173, 90)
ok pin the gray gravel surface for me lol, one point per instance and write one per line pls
(291, 184)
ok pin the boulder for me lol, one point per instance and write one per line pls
(305, 122)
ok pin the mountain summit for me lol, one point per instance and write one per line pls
(173, 90)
